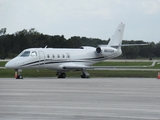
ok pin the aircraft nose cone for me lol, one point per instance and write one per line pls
(8, 65)
(15, 63)
(11, 64)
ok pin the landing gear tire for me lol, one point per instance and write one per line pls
(61, 75)
(19, 77)
(84, 76)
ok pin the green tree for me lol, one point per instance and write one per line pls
(3, 31)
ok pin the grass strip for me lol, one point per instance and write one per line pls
(93, 73)
(4, 73)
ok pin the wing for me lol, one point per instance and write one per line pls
(123, 67)
(73, 66)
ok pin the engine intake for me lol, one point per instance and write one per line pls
(98, 50)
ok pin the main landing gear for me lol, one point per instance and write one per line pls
(18, 74)
(84, 74)
(61, 75)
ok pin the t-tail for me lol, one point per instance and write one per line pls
(116, 40)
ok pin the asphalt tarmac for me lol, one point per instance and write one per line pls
(80, 99)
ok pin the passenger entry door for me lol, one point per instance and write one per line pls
(41, 58)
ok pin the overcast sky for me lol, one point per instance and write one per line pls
(89, 18)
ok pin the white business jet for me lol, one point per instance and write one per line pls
(63, 60)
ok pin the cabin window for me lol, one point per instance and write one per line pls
(34, 53)
(53, 56)
(58, 56)
(25, 54)
(68, 56)
(48, 56)
(63, 56)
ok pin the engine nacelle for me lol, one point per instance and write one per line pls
(107, 51)
(87, 47)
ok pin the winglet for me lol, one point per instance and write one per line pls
(46, 46)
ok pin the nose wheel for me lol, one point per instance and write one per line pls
(18, 74)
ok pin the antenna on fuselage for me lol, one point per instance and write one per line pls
(46, 46)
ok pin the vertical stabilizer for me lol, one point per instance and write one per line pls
(116, 40)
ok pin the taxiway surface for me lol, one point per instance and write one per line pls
(80, 99)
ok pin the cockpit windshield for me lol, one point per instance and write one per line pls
(28, 53)
(25, 54)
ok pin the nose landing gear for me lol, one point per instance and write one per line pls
(18, 74)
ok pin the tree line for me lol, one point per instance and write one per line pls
(12, 44)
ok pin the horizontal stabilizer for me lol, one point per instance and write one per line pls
(124, 45)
